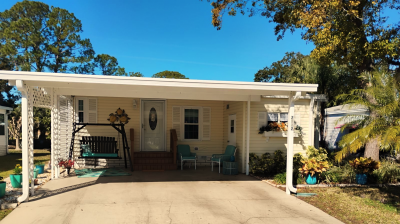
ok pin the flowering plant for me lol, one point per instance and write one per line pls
(66, 163)
(17, 169)
(274, 126)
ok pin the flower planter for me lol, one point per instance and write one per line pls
(361, 178)
(16, 180)
(3, 185)
(282, 134)
(40, 168)
(311, 180)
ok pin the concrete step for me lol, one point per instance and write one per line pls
(145, 160)
(153, 166)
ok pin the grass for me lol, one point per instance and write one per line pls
(4, 213)
(358, 205)
(8, 162)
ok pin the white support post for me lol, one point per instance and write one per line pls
(290, 137)
(57, 136)
(25, 139)
(53, 114)
(248, 136)
(311, 123)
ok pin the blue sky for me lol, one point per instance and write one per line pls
(158, 35)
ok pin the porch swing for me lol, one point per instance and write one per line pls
(100, 147)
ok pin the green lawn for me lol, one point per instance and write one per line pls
(4, 213)
(8, 162)
(358, 205)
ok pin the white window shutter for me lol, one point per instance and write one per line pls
(262, 119)
(92, 110)
(176, 121)
(206, 123)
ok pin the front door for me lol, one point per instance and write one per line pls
(232, 130)
(153, 125)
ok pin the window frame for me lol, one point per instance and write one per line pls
(84, 111)
(200, 122)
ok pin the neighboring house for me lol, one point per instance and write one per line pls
(4, 130)
(335, 119)
(206, 115)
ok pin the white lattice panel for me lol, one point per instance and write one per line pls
(30, 96)
(41, 97)
(65, 128)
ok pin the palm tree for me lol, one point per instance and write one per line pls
(380, 129)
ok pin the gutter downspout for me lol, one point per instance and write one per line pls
(25, 151)
(248, 136)
(290, 135)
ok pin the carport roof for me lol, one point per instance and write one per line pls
(121, 86)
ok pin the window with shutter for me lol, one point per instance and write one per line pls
(206, 123)
(86, 110)
(176, 121)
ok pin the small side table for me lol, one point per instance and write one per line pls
(230, 168)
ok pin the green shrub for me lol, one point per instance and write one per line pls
(260, 164)
(318, 154)
(280, 178)
(364, 165)
(388, 172)
(333, 175)
(297, 158)
(279, 164)
(266, 164)
(341, 174)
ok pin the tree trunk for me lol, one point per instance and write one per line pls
(17, 144)
(372, 149)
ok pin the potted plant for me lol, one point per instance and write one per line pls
(3, 185)
(16, 178)
(311, 168)
(67, 164)
(40, 166)
(363, 166)
(35, 173)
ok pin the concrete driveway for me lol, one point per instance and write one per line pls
(186, 196)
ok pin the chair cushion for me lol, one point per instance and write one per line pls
(100, 155)
(215, 159)
(86, 148)
(188, 157)
(184, 150)
(230, 150)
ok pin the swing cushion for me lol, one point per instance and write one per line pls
(99, 155)
(86, 148)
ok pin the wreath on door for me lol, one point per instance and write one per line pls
(153, 118)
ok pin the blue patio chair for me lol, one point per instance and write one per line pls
(220, 158)
(184, 153)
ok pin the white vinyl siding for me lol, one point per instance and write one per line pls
(176, 121)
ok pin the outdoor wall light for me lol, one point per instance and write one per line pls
(134, 104)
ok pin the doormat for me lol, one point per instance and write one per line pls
(110, 172)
